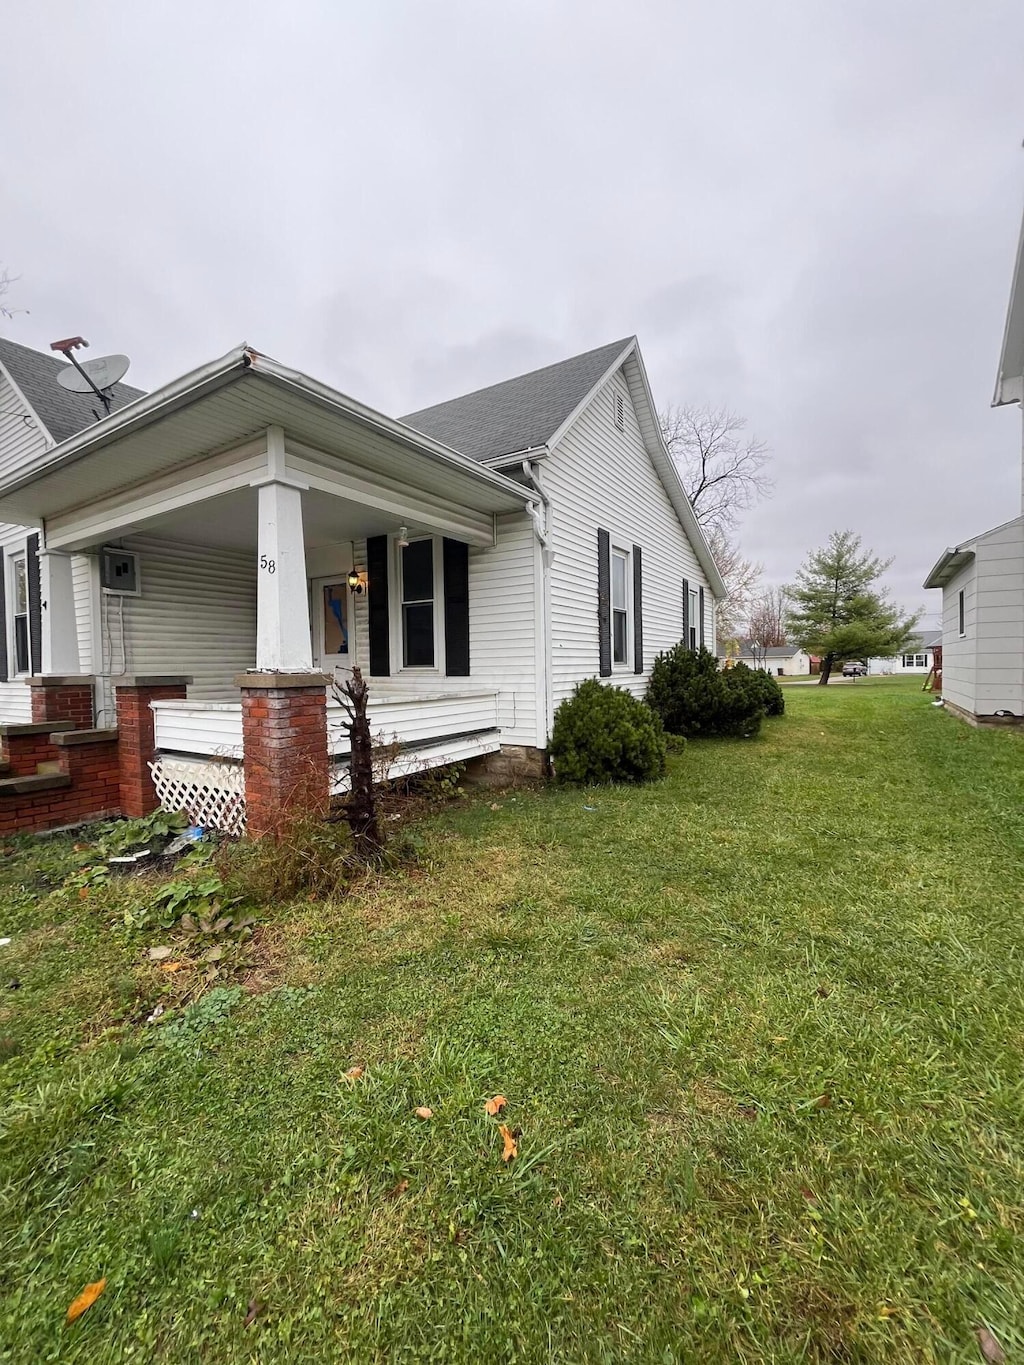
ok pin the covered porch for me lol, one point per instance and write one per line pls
(272, 534)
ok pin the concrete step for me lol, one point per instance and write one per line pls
(34, 782)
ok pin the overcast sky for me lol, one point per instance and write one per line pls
(806, 211)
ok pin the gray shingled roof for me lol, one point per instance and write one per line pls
(772, 652)
(61, 412)
(519, 413)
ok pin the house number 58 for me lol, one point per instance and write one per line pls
(268, 565)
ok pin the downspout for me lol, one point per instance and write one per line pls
(540, 515)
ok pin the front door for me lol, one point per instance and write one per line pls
(333, 635)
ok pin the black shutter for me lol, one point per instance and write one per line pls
(35, 606)
(3, 622)
(377, 606)
(702, 639)
(638, 610)
(604, 603)
(456, 608)
(686, 613)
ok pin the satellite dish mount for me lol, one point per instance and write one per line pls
(96, 376)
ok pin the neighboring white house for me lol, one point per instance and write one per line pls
(783, 661)
(917, 657)
(982, 579)
(477, 559)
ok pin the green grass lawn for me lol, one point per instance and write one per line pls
(760, 1028)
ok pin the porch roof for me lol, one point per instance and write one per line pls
(229, 401)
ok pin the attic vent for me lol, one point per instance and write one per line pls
(619, 411)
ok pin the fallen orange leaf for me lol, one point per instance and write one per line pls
(171, 966)
(354, 1072)
(424, 1113)
(496, 1105)
(83, 892)
(86, 1299)
(510, 1149)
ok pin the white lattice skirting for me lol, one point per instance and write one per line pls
(213, 794)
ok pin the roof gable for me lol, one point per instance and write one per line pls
(61, 412)
(518, 414)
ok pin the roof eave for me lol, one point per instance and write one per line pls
(1010, 376)
(948, 565)
(226, 370)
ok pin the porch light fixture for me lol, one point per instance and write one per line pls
(403, 537)
(356, 581)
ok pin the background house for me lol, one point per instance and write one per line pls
(917, 657)
(982, 579)
(783, 661)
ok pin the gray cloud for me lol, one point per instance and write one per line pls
(806, 211)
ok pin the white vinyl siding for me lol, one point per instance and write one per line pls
(196, 615)
(504, 617)
(596, 477)
(983, 670)
(21, 437)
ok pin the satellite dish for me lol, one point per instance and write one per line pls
(104, 372)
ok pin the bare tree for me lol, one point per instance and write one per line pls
(741, 578)
(6, 280)
(723, 472)
(766, 626)
(722, 468)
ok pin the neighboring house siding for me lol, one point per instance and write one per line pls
(958, 655)
(599, 476)
(999, 620)
(196, 616)
(503, 630)
(21, 437)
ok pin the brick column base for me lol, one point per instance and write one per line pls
(284, 742)
(136, 745)
(62, 698)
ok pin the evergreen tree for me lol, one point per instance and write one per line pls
(835, 610)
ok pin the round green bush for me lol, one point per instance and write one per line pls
(762, 685)
(603, 734)
(693, 697)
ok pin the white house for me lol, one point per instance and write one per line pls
(246, 526)
(782, 661)
(917, 657)
(982, 578)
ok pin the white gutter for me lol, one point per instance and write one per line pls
(949, 564)
(540, 515)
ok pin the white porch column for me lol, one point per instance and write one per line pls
(57, 598)
(283, 642)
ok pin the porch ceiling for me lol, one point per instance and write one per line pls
(224, 405)
(230, 521)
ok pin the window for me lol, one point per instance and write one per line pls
(962, 627)
(915, 661)
(416, 570)
(619, 411)
(620, 607)
(694, 617)
(20, 653)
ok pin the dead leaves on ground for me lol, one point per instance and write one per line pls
(510, 1149)
(495, 1105)
(424, 1113)
(86, 1299)
(253, 1311)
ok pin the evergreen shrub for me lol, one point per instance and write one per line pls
(762, 685)
(693, 697)
(603, 734)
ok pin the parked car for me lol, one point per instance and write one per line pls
(855, 669)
